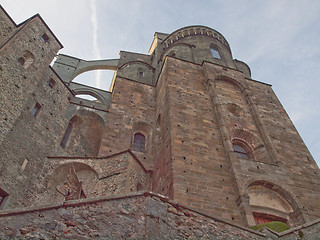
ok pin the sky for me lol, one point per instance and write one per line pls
(278, 39)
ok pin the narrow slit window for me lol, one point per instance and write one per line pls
(66, 135)
(52, 83)
(36, 109)
(140, 74)
(139, 142)
(215, 52)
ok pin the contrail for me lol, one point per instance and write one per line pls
(96, 50)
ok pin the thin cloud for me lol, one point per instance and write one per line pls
(96, 49)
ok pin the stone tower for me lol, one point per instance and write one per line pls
(186, 121)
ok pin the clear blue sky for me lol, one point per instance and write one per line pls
(279, 40)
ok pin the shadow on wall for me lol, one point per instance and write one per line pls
(270, 202)
(83, 134)
(85, 174)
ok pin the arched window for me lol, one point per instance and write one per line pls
(242, 150)
(139, 142)
(269, 202)
(83, 134)
(26, 60)
(215, 52)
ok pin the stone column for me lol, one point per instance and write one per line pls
(243, 202)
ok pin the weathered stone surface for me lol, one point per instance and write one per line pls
(147, 216)
(183, 122)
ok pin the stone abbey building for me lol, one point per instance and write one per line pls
(185, 144)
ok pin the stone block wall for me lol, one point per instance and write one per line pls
(299, 172)
(190, 106)
(31, 139)
(201, 177)
(141, 215)
(136, 67)
(279, 154)
(162, 178)
(110, 175)
(19, 81)
(131, 110)
(132, 217)
(7, 26)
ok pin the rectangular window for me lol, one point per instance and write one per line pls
(52, 83)
(44, 38)
(36, 109)
(21, 60)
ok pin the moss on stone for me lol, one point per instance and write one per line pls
(275, 226)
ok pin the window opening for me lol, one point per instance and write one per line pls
(26, 60)
(100, 79)
(66, 135)
(139, 187)
(3, 196)
(140, 74)
(88, 97)
(44, 38)
(158, 127)
(52, 83)
(172, 54)
(21, 60)
(139, 142)
(240, 151)
(261, 218)
(215, 53)
(35, 110)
